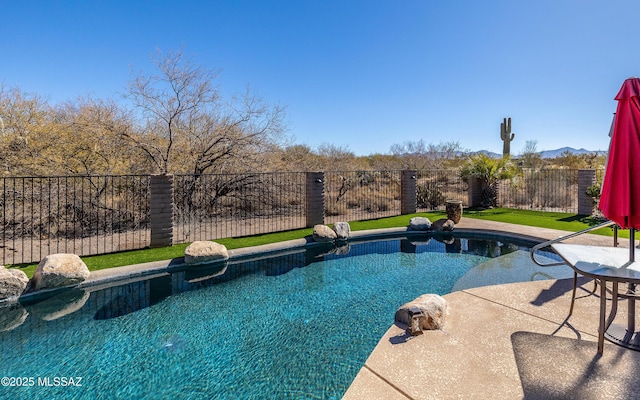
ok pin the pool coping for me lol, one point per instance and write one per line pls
(141, 270)
(467, 226)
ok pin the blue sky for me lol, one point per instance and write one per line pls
(362, 75)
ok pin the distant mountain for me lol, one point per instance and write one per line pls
(546, 153)
(558, 152)
(488, 153)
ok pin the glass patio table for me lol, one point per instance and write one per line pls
(613, 265)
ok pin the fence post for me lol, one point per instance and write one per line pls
(314, 198)
(161, 210)
(409, 198)
(586, 178)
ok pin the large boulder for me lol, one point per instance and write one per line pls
(201, 252)
(448, 226)
(419, 224)
(12, 282)
(324, 234)
(343, 230)
(58, 270)
(433, 308)
(443, 225)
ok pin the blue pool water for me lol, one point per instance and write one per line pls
(299, 325)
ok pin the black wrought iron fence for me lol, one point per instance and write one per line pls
(435, 187)
(541, 189)
(100, 214)
(73, 214)
(361, 195)
(228, 205)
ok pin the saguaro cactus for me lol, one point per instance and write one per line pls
(506, 136)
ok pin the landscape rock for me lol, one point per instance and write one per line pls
(343, 230)
(433, 307)
(324, 234)
(419, 224)
(59, 270)
(443, 225)
(12, 282)
(448, 226)
(12, 315)
(204, 252)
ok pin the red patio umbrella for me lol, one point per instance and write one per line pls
(620, 195)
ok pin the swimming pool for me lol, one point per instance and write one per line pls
(295, 325)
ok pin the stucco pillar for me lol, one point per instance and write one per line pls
(475, 192)
(408, 202)
(586, 178)
(161, 209)
(314, 198)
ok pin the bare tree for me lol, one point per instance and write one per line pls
(530, 157)
(185, 126)
(296, 158)
(419, 155)
(336, 158)
(27, 122)
(90, 139)
(235, 137)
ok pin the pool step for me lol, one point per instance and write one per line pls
(509, 268)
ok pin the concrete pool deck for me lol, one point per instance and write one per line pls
(509, 341)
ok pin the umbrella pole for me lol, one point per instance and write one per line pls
(631, 333)
(632, 244)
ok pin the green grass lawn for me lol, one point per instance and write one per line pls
(553, 220)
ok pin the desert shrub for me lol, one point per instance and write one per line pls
(332, 210)
(365, 178)
(429, 196)
(443, 178)
(353, 203)
(376, 205)
(489, 171)
(593, 191)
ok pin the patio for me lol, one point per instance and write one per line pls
(505, 342)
